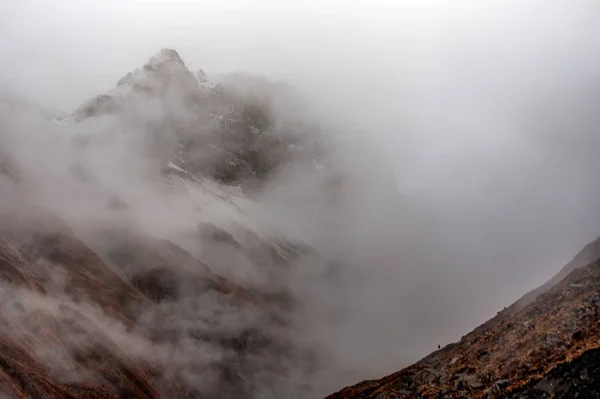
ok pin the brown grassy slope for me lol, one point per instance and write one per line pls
(12, 263)
(511, 352)
(29, 326)
(51, 346)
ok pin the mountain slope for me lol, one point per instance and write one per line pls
(544, 346)
(72, 327)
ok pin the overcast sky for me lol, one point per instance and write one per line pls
(488, 109)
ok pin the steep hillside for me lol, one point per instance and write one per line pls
(73, 327)
(545, 345)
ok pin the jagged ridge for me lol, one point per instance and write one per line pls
(226, 130)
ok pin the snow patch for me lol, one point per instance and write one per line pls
(177, 168)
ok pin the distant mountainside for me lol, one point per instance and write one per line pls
(93, 304)
(545, 345)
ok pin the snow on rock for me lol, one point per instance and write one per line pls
(177, 168)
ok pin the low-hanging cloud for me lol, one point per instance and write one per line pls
(461, 172)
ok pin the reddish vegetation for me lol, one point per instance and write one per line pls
(52, 347)
(24, 334)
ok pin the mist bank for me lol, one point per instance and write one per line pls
(428, 186)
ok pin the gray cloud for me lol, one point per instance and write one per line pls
(481, 114)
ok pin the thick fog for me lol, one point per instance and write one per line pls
(482, 115)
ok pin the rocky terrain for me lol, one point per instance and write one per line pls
(546, 345)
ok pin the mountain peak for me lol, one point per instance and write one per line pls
(164, 63)
(164, 70)
(165, 56)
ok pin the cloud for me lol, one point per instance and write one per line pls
(463, 172)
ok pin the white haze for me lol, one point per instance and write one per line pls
(485, 112)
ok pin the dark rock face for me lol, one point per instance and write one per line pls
(579, 378)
